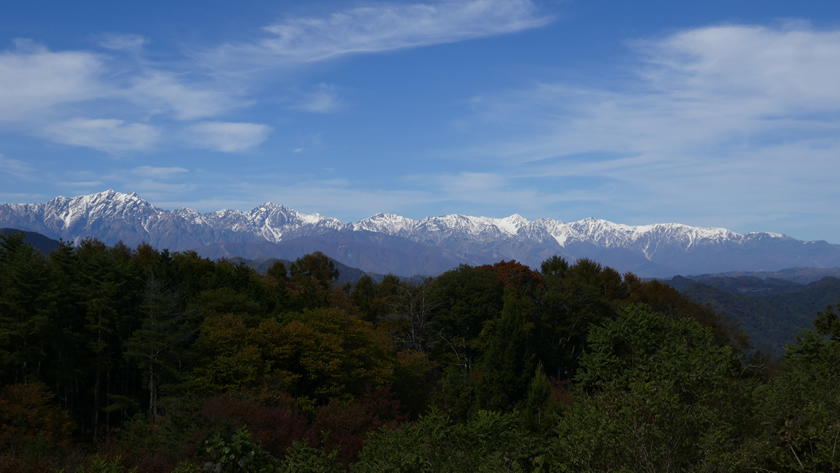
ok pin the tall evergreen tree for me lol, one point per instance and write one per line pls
(108, 304)
(509, 362)
(23, 315)
(159, 346)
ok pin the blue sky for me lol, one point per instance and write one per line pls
(716, 113)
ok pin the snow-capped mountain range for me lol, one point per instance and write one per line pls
(391, 243)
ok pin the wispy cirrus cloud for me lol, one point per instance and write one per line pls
(349, 200)
(34, 80)
(157, 189)
(123, 42)
(82, 186)
(694, 88)
(717, 122)
(108, 135)
(151, 182)
(15, 168)
(324, 99)
(378, 28)
(131, 100)
(338, 198)
(47, 92)
(157, 92)
(500, 194)
(226, 137)
(158, 172)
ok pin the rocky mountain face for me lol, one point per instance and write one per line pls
(390, 243)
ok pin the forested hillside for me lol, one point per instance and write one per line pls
(770, 311)
(134, 359)
(40, 242)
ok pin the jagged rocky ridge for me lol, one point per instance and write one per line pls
(390, 243)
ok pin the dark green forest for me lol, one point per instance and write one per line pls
(118, 359)
(774, 313)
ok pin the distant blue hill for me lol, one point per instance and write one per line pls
(770, 310)
(40, 242)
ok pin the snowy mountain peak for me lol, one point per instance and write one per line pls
(389, 224)
(767, 235)
(272, 207)
(68, 212)
(274, 221)
(112, 216)
(107, 199)
(512, 224)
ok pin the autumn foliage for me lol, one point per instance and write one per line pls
(118, 358)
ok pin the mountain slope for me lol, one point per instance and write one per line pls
(390, 243)
(40, 242)
(772, 320)
(801, 275)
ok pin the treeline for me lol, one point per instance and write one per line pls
(133, 359)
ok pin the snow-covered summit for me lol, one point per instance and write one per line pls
(615, 235)
(113, 216)
(67, 212)
(274, 222)
(388, 224)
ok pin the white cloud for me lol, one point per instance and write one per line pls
(123, 42)
(467, 184)
(323, 100)
(337, 198)
(720, 123)
(227, 137)
(33, 80)
(695, 88)
(350, 200)
(161, 92)
(108, 135)
(22, 197)
(770, 70)
(43, 92)
(81, 184)
(379, 28)
(39, 86)
(501, 191)
(158, 172)
(149, 186)
(701, 92)
(13, 167)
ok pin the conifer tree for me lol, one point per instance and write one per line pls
(158, 347)
(23, 317)
(508, 363)
(108, 307)
(540, 403)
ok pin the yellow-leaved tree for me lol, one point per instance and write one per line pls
(318, 355)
